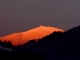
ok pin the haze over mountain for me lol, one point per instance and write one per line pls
(35, 33)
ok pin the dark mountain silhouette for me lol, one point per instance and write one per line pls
(56, 46)
(10, 53)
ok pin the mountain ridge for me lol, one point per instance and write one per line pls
(35, 33)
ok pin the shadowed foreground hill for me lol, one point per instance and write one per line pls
(56, 46)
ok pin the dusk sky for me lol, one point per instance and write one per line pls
(22, 15)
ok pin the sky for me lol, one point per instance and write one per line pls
(22, 15)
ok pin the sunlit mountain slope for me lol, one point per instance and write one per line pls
(35, 33)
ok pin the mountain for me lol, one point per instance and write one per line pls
(56, 46)
(35, 33)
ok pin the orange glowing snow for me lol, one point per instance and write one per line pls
(35, 33)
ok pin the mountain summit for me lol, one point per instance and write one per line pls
(35, 33)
